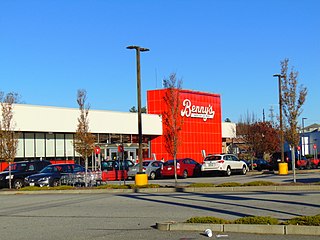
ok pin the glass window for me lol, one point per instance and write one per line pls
(69, 146)
(40, 147)
(50, 145)
(31, 167)
(115, 138)
(126, 138)
(20, 149)
(60, 145)
(103, 138)
(29, 145)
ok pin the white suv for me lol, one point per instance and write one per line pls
(226, 163)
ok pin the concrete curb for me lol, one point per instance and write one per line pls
(241, 228)
(276, 188)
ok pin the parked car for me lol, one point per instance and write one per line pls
(261, 164)
(225, 163)
(20, 170)
(51, 175)
(151, 167)
(186, 167)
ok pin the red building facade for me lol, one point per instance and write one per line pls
(201, 128)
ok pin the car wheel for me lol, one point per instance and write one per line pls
(244, 170)
(55, 183)
(185, 174)
(152, 175)
(17, 184)
(228, 171)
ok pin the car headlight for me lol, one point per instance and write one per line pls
(44, 179)
(8, 177)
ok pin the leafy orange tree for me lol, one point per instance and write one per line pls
(8, 135)
(171, 117)
(266, 139)
(84, 140)
(259, 138)
(293, 98)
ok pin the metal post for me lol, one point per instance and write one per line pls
(280, 113)
(302, 142)
(138, 50)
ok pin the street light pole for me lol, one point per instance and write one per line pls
(138, 50)
(280, 112)
(303, 144)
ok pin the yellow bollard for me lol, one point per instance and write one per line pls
(283, 168)
(141, 179)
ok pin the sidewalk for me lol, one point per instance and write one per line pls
(241, 228)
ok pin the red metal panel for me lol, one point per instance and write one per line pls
(201, 128)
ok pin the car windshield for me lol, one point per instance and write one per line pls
(145, 164)
(51, 169)
(213, 158)
(168, 163)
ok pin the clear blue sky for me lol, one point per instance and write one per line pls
(50, 49)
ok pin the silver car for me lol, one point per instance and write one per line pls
(150, 167)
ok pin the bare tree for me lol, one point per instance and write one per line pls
(171, 117)
(293, 99)
(8, 135)
(84, 140)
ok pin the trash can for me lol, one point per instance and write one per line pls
(141, 179)
(283, 168)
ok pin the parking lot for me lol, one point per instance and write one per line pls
(302, 176)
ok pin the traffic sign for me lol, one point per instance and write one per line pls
(120, 148)
(97, 150)
(314, 146)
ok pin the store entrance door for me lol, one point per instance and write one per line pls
(128, 153)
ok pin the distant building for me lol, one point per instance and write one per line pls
(310, 140)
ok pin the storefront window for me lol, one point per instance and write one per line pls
(60, 145)
(126, 138)
(69, 146)
(50, 147)
(20, 150)
(115, 138)
(103, 138)
(29, 145)
(40, 147)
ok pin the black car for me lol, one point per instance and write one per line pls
(51, 175)
(261, 164)
(20, 170)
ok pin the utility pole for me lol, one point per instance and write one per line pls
(138, 50)
(280, 113)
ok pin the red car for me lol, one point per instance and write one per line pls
(186, 167)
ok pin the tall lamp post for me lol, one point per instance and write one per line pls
(303, 149)
(280, 112)
(138, 50)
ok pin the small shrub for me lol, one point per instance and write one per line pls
(113, 186)
(259, 183)
(133, 186)
(127, 186)
(257, 220)
(33, 188)
(212, 220)
(304, 220)
(229, 184)
(199, 185)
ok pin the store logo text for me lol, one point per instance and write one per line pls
(196, 111)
